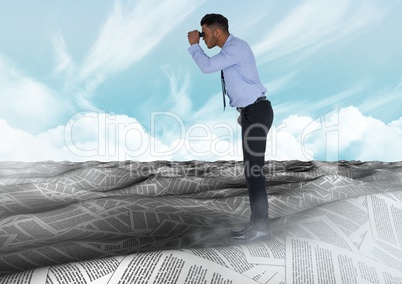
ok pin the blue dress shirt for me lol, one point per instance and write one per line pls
(237, 61)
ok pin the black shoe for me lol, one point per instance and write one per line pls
(240, 232)
(253, 235)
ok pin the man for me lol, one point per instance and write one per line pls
(243, 87)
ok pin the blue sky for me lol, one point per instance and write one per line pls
(112, 80)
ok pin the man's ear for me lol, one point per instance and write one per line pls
(218, 32)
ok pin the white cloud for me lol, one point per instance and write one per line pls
(357, 137)
(314, 25)
(179, 88)
(373, 139)
(28, 103)
(20, 145)
(63, 58)
(86, 136)
(397, 125)
(283, 145)
(109, 137)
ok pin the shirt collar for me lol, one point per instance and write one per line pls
(230, 37)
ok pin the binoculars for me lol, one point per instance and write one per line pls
(201, 34)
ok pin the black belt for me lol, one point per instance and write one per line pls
(260, 99)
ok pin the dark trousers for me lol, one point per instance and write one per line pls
(256, 120)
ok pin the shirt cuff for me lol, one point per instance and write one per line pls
(193, 48)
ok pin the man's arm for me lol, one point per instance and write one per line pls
(227, 57)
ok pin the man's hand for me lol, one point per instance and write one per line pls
(193, 37)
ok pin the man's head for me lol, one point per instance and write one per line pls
(216, 30)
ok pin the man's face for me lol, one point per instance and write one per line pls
(209, 36)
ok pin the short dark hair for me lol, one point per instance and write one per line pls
(216, 20)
